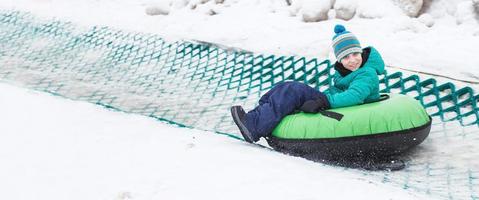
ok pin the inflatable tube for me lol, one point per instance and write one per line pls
(387, 127)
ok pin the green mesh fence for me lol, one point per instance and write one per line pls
(193, 85)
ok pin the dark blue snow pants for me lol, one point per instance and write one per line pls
(280, 101)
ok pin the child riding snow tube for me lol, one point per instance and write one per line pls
(388, 127)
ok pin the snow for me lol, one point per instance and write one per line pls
(368, 9)
(444, 43)
(54, 148)
(313, 10)
(345, 9)
(62, 149)
(465, 12)
(410, 7)
(426, 19)
(158, 9)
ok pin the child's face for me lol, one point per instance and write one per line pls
(352, 61)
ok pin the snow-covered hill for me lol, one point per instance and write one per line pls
(441, 37)
(52, 148)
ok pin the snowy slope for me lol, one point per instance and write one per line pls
(442, 41)
(52, 148)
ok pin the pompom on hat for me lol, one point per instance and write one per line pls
(344, 43)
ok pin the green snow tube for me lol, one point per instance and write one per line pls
(383, 128)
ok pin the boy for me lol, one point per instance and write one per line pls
(355, 82)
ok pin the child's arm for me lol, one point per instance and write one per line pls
(359, 89)
(332, 89)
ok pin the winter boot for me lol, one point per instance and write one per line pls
(239, 117)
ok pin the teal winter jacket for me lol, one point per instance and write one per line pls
(356, 87)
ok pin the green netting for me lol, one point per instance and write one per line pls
(193, 85)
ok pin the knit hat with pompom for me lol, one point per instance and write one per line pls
(344, 43)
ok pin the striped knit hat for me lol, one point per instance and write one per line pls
(344, 43)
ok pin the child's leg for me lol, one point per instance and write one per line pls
(277, 87)
(280, 101)
(265, 97)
